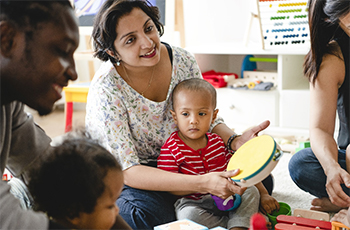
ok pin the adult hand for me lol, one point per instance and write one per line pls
(221, 185)
(251, 133)
(335, 178)
(343, 216)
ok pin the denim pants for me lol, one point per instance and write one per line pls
(143, 209)
(21, 192)
(307, 172)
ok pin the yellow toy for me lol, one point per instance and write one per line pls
(255, 159)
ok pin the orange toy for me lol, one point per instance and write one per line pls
(339, 226)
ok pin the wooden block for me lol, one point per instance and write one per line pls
(300, 221)
(281, 226)
(311, 214)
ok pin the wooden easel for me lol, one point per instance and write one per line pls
(247, 34)
(251, 19)
(179, 21)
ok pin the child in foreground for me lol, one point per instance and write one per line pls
(78, 184)
(194, 150)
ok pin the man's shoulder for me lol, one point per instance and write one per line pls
(11, 110)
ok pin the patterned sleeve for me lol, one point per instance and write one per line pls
(217, 121)
(107, 121)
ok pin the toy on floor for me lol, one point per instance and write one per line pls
(300, 223)
(303, 145)
(339, 226)
(311, 214)
(304, 220)
(283, 210)
(256, 159)
(258, 222)
(231, 203)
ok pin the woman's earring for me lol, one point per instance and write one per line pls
(118, 62)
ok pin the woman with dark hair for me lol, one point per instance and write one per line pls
(321, 170)
(128, 110)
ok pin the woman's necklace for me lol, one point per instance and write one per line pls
(149, 82)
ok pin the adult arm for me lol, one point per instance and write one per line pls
(27, 141)
(22, 142)
(169, 160)
(323, 105)
(267, 202)
(225, 133)
(149, 178)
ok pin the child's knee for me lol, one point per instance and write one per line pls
(251, 195)
(188, 212)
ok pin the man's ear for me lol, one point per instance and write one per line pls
(8, 34)
(174, 116)
(215, 114)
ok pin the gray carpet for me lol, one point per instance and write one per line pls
(285, 190)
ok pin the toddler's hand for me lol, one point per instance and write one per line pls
(268, 204)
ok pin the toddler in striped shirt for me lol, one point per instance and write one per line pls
(196, 151)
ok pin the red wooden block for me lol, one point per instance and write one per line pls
(282, 226)
(300, 221)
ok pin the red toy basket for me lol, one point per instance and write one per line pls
(217, 79)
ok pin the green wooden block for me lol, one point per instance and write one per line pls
(303, 145)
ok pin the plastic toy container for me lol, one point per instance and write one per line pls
(284, 210)
(217, 79)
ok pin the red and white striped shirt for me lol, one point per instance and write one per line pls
(176, 156)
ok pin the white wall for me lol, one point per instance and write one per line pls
(219, 21)
(207, 23)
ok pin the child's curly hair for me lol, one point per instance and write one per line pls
(69, 179)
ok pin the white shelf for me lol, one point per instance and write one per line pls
(286, 106)
(241, 49)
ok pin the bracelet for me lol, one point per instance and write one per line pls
(229, 142)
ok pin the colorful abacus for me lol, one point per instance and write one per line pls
(284, 23)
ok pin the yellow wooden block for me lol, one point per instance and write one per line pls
(76, 92)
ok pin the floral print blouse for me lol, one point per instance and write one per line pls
(132, 127)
